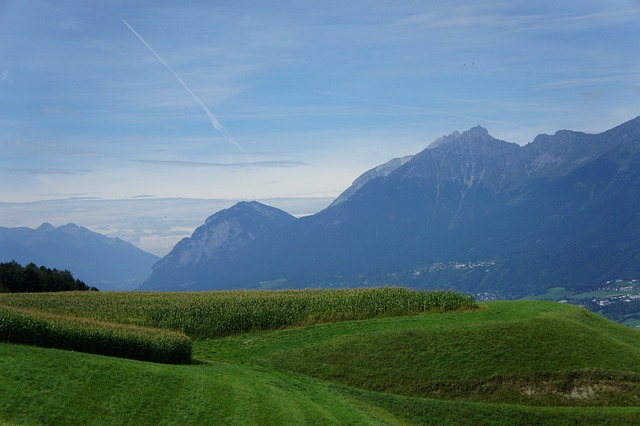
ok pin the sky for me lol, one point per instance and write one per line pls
(139, 119)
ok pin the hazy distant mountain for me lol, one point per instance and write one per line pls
(192, 263)
(469, 212)
(100, 261)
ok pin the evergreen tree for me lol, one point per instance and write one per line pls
(14, 278)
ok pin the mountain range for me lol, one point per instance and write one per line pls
(100, 261)
(469, 212)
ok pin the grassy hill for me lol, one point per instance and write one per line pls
(534, 353)
(50, 386)
(525, 362)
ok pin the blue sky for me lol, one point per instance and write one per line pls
(124, 101)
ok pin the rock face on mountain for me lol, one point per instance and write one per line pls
(100, 261)
(469, 212)
(379, 171)
(222, 237)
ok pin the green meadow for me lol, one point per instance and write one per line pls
(427, 359)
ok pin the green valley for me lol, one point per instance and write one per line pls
(510, 362)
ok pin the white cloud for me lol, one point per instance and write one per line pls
(268, 163)
(47, 171)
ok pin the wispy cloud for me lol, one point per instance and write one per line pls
(143, 196)
(476, 16)
(577, 82)
(58, 110)
(47, 171)
(212, 118)
(608, 17)
(71, 196)
(469, 18)
(272, 163)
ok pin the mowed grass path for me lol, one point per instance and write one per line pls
(51, 386)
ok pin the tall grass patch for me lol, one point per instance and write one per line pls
(86, 335)
(223, 313)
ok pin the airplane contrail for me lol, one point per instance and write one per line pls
(212, 118)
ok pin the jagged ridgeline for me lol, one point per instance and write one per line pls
(469, 212)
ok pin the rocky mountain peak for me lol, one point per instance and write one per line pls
(249, 209)
(261, 209)
(225, 233)
(472, 157)
(444, 139)
(70, 228)
(45, 227)
(474, 134)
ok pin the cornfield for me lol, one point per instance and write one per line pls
(222, 313)
(19, 325)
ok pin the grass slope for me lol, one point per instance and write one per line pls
(536, 353)
(50, 386)
(495, 365)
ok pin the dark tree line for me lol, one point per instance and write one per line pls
(15, 278)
